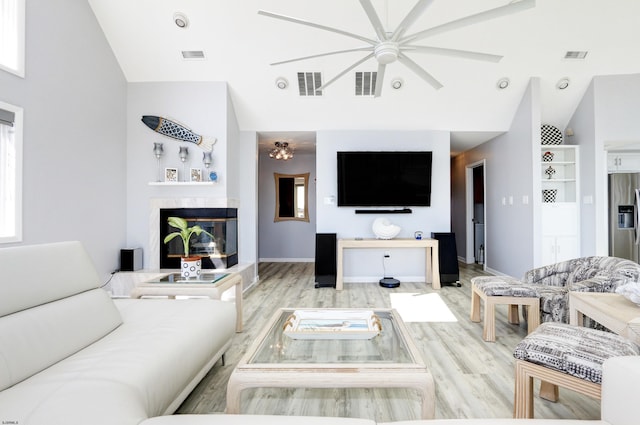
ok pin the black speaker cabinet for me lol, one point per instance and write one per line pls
(448, 255)
(326, 250)
(130, 259)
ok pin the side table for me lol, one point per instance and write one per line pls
(611, 310)
(171, 285)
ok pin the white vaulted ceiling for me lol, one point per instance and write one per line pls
(239, 45)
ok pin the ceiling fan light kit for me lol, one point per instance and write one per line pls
(391, 46)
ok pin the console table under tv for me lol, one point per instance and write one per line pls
(432, 267)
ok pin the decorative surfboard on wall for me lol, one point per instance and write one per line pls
(177, 131)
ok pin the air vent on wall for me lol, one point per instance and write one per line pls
(366, 83)
(575, 54)
(192, 54)
(309, 82)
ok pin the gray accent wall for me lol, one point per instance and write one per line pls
(74, 100)
(512, 230)
(285, 240)
(367, 265)
(606, 118)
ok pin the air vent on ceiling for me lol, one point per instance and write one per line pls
(366, 83)
(192, 54)
(309, 82)
(575, 54)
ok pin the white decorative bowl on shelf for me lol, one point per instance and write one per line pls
(384, 229)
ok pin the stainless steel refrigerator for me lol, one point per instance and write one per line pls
(624, 202)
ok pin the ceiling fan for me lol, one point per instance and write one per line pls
(391, 46)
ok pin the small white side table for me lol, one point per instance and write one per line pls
(212, 290)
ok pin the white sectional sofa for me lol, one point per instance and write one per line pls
(69, 354)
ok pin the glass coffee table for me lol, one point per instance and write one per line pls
(280, 358)
(211, 285)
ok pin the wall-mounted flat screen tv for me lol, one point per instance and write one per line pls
(384, 179)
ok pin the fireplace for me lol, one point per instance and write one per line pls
(221, 251)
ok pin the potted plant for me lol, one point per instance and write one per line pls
(190, 266)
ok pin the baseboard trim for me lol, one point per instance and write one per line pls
(287, 260)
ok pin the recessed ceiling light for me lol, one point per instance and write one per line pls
(396, 83)
(282, 83)
(503, 83)
(181, 20)
(562, 84)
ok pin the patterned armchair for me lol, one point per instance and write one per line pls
(586, 274)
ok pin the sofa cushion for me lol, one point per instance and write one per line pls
(34, 339)
(630, 291)
(503, 286)
(574, 350)
(136, 371)
(37, 274)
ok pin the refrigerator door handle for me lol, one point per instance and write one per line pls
(636, 219)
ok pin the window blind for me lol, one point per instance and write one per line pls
(7, 117)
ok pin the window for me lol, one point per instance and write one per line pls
(12, 36)
(10, 173)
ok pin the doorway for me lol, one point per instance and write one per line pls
(476, 214)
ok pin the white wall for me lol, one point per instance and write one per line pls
(202, 107)
(607, 116)
(582, 123)
(285, 240)
(366, 265)
(74, 100)
(246, 172)
(512, 229)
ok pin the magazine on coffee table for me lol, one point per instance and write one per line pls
(332, 324)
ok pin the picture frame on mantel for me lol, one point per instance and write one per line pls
(196, 175)
(170, 174)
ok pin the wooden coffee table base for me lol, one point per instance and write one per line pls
(278, 361)
(422, 382)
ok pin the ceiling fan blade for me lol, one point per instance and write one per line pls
(455, 53)
(374, 19)
(410, 19)
(314, 25)
(379, 79)
(420, 72)
(322, 87)
(337, 52)
(472, 19)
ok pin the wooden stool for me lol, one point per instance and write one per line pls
(562, 355)
(480, 291)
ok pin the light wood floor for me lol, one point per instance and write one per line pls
(473, 378)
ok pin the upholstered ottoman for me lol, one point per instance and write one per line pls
(564, 355)
(495, 290)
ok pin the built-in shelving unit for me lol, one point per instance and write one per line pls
(559, 176)
(558, 171)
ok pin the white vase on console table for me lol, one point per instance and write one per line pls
(384, 229)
